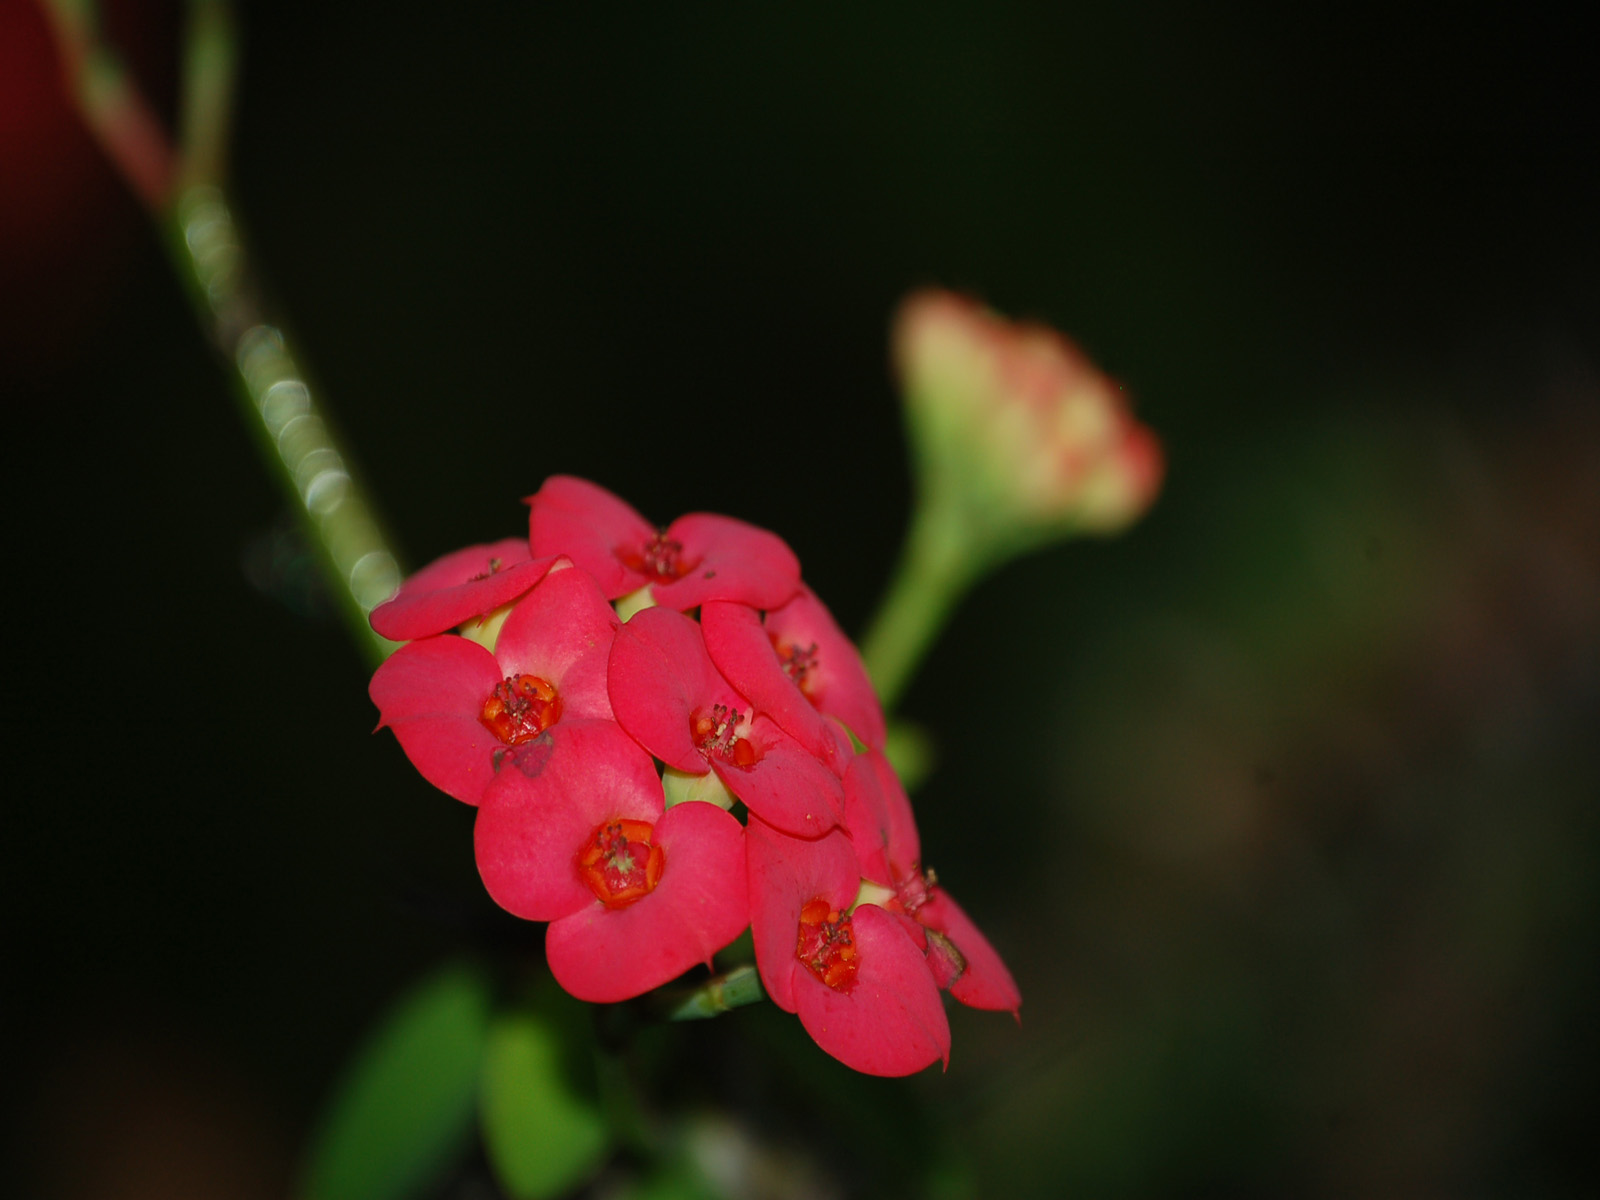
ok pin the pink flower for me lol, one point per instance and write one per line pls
(668, 695)
(459, 709)
(857, 979)
(879, 821)
(574, 832)
(452, 590)
(697, 558)
(797, 666)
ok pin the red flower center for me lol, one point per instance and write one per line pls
(798, 663)
(520, 708)
(826, 945)
(661, 558)
(717, 733)
(619, 864)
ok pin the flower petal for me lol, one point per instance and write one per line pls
(546, 803)
(788, 787)
(891, 1022)
(785, 873)
(739, 646)
(659, 676)
(985, 983)
(837, 684)
(454, 589)
(605, 955)
(877, 813)
(588, 524)
(561, 632)
(730, 560)
(430, 693)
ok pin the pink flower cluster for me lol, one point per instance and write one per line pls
(607, 758)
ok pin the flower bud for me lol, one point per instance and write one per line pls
(1016, 426)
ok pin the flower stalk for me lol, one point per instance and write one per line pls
(335, 514)
(938, 563)
(180, 187)
(1018, 441)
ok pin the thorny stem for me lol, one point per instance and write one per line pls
(717, 995)
(334, 511)
(181, 191)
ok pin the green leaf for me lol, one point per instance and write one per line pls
(679, 1181)
(542, 1134)
(405, 1106)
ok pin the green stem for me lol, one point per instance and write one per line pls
(208, 254)
(210, 59)
(182, 193)
(939, 562)
(717, 995)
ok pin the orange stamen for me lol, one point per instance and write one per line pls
(619, 864)
(826, 944)
(520, 708)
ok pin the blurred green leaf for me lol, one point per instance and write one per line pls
(910, 750)
(405, 1105)
(542, 1134)
(678, 1181)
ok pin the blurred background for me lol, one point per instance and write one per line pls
(1280, 807)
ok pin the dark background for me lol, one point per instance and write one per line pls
(1281, 808)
